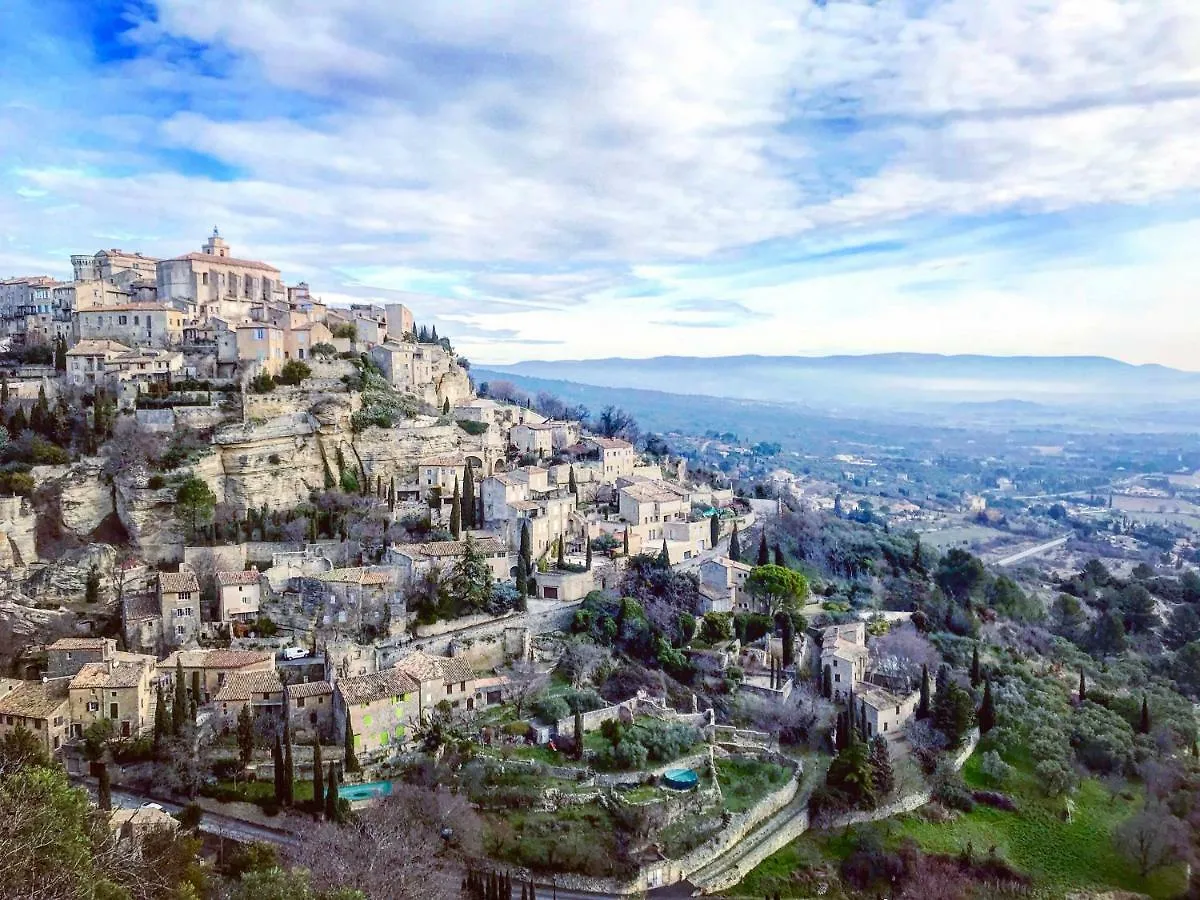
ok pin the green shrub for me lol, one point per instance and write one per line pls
(472, 428)
(293, 372)
(551, 709)
(516, 729)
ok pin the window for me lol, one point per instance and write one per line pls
(299, 703)
(93, 706)
(135, 321)
(260, 334)
(266, 696)
(185, 595)
(112, 711)
(180, 630)
(837, 678)
(204, 278)
(123, 320)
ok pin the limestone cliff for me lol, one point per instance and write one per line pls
(86, 498)
(17, 526)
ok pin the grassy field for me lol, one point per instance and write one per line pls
(1057, 854)
(746, 781)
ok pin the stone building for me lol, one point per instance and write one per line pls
(239, 595)
(179, 606)
(217, 283)
(441, 678)
(134, 324)
(121, 689)
(213, 667)
(262, 691)
(310, 709)
(723, 585)
(66, 656)
(40, 707)
(382, 709)
(617, 457)
(86, 361)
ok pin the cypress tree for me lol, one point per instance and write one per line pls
(764, 552)
(532, 890)
(278, 764)
(524, 891)
(289, 764)
(561, 560)
(588, 558)
(179, 709)
(446, 407)
(4, 392)
(162, 724)
(332, 811)
(572, 485)
(883, 776)
(456, 512)
(18, 422)
(318, 779)
(522, 576)
(664, 557)
(1144, 721)
(987, 709)
(579, 734)
(976, 675)
(714, 528)
(104, 789)
(735, 546)
(827, 683)
(196, 686)
(923, 705)
(1082, 686)
(526, 549)
(351, 757)
(789, 644)
(626, 541)
(779, 560)
(468, 499)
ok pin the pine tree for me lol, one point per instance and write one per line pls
(923, 705)
(779, 558)
(333, 811)
(572, 485)
(976, 675)
(351, 758)
(179, 709)
(289, 764)
(986, 716)
(468, 499)
(278, 764)
(764, 552)
(664, 556)
(104, 789)
(1144, 721)
(735, 546)
(162, 724)
(456, 512)
(1082, 686)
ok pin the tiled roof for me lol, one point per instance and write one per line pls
(223, 261)
(354, 575)
(878, 698)
(440, 549)
(176, 582)
(244, 685)
(34, 699)
(655, 492)
(310, 689)
(91, 347)
(104, 675)
(427, 667)
(727, 563)
(368, 688)
(216, 659)
(250, 576)
(455, 668)
(89, 643)
(141, 606)
(609, 443)
(444, 462)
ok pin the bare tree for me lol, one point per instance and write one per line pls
(1152, 838)
(412, 844)
(901, 653)
(131, 447)
(582, 660)
(525, 682)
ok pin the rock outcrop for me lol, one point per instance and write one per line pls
(85, 498)
(18, 525)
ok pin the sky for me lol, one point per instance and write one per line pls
(550, 180)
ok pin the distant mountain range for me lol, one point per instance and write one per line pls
(891, 381)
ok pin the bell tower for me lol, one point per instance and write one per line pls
(216, 246)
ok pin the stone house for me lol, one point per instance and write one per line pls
(382, 709)
(884, 712)
(843, 653)
(723, 585)
(441, 678)
(564, 586)
(133, 826)
(360, 595)
(545, 438)
(215, 668)
(132, 324)
(413, 561)
(85, 361)
(66, 656)
(261, 343)
(617, 457)
(179, 606)
(239, 595)
(121, 689)
(40, 707)
(406, 366)
(310, 709)
(399, 319)
(262, 691)
(653, 503)
(216, 283)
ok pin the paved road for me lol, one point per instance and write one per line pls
(1032, 551)
(212, 823)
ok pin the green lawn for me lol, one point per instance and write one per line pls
(1058, 855)
(746, 781)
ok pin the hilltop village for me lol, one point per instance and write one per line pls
(289, 571)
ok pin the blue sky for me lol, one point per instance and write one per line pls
(615, 177)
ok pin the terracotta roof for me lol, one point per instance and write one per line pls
(878, 698)
(176, 582)
(250, 576)
(146, 817)
(105, 675)
(141, 606)
(216, 659)
(439, 549)
(354, 575)
(89, 643)
(34, 699)
(223, 261)
(727, 563)
(609, 443)
(427, 667)
(309, 689)
(244, 685)
(91, 347)
(455, 668)
(655, 492)
(368, 688)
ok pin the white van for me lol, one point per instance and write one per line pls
(295, 653)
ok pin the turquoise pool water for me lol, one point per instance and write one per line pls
(371, 790)
(681, 779)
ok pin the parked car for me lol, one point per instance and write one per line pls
(295, 653)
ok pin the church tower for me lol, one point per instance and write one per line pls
(216, 245)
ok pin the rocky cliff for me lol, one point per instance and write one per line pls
(18, 524)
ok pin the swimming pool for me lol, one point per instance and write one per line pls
(681, 779)
(371, 790)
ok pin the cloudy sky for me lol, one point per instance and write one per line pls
(548, 179)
